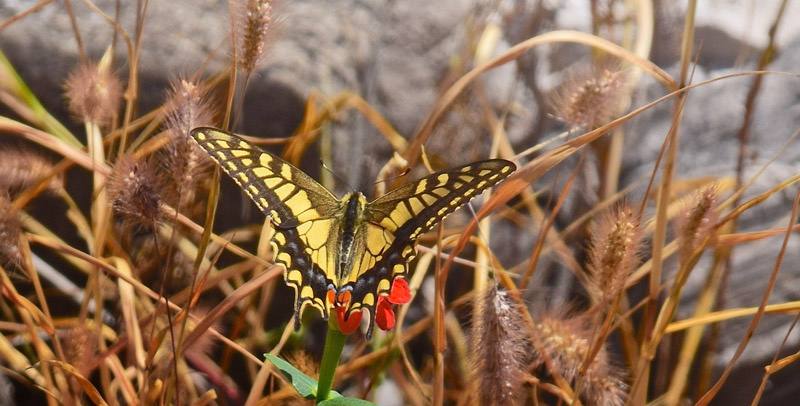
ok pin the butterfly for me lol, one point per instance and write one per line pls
(351, 247)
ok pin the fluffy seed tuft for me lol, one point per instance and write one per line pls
(565, 343)
(304, 362)
(255, 24)
(10, 231)
(93, 93)
(614, 251)
(499, 350)
(135, 190)
(188, 107)
(204, 344)
(696, 221)
(80, 346)
(186, 163)
(590, 98)
(23, 169)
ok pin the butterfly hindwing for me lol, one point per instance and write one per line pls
(306, 269)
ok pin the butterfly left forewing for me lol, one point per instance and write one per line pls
(301, 209)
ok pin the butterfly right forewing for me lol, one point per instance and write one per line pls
(302, 210)
(395, 220)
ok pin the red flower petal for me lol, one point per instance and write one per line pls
(384, 315)
(400, 293)
(351, 324)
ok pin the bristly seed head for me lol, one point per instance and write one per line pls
(255, 32)
(204, 344)
(93, 93)
(591, 98)
(10, 231)
(614, 251)
(565, 343)
(135, 189)
(23, 169)
(188, 108)
(80, 347)
(499, 350)
(696, 221)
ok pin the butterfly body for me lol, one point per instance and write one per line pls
(343, 252)
(354, 205)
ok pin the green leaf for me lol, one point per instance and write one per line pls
(305, 386)
(343, 401)
(13, 83)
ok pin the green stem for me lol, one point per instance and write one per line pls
(334, 343)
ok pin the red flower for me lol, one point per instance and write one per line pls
(384, 314)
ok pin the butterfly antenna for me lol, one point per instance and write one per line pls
(404, 173)
(336, 175)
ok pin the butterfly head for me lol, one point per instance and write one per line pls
(353, 204)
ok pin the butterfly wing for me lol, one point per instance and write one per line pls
(395, 220)
(284, 193)
(302, 210)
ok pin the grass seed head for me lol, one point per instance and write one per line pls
(562, 344)
(614, 251)
(93, 93)
(80, 346)
(592, 97)
(185, 162)
(499, 350)
(187, 107)
(23, 169)
(136, 191)
(205, 342)
(255, 27)
(10, 231)
(696, 221)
